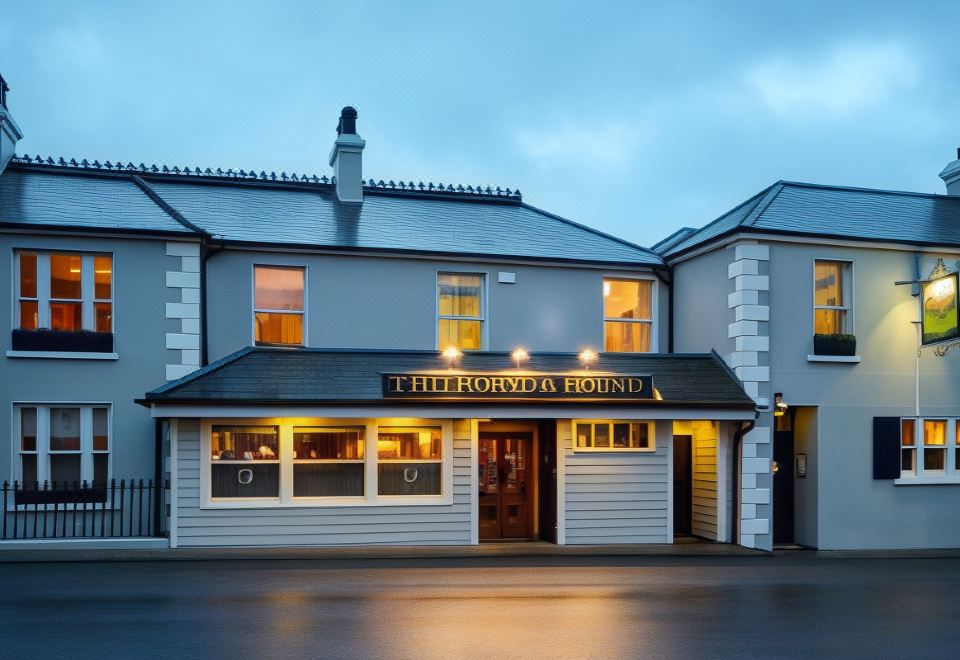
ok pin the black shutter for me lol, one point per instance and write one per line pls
(886, 447)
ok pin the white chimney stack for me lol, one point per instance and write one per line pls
(346, 158)
(10, 133)
(951, 176)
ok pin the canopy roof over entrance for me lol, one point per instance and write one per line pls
(265, 376)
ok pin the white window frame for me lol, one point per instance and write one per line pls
(652, 322)
(846, 288)
(44, 452)
(950, 474)
(87, 288)
(651, 434)
(286, 500)
(330, 461)
(484, 314)
(253, 304)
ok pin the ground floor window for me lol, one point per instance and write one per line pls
(325, 461)
(928, 447)
(63, 444)
(613, 435)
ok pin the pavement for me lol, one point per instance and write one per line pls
(791, 605)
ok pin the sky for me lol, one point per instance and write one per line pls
(636, 118)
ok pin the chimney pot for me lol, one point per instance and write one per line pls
(348, 121)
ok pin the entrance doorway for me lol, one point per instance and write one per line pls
(783, 485)
(506, 485)
(682, 485)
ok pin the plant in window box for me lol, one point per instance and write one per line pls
(43, 339)
(835, 344)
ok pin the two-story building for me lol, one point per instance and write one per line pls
(348, 361)
(813, 295)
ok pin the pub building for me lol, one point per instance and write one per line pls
(332, 360)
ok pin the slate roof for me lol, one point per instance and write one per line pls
(246, 208)
(306, 375)
(806, 209)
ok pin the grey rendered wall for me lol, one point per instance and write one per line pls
(854, 510)
(806, 489)
(370, 302)
(700, 314)
(616, 497)
(140, 325)
(377, 525)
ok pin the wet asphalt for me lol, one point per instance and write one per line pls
(793, 606)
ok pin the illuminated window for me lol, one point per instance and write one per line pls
(613, 435)
(460, 311)
(245, 462)
(409, 461)
(63, 443)
(929, 449)
(327, 462)
(68, 292)
(278, 305)
(627, 316)
(832, 298)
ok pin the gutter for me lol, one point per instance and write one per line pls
(206, 252)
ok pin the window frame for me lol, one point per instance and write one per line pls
(43, 451)
(951, 448)
(653, 321)
(329, 461)
(255, 310)
(286, 499)
(651, 433)
(847, 288)
(484, 307)
(44, 298)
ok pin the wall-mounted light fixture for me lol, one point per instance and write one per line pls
(452, 355)
(779, 407)
(519, 356)
(587, 357)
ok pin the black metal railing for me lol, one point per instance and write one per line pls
(80, 509)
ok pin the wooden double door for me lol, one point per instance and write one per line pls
(506, 485)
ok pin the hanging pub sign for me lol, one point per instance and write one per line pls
(481, 386)
(939, 309)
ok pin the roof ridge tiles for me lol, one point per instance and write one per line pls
(411, 186)
(878, 191)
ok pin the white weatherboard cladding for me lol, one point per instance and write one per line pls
(616, 497)
(183, 314)
(447, 524)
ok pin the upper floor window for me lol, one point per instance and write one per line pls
(460, 311)
(627, 315)
(832, 298)
(64, 291)
(278, 305)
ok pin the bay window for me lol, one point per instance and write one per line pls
(63, 443)
(307, 462)
(278, 305)
(628, 316)
(68, 294)
(613, 435)
(460, 311)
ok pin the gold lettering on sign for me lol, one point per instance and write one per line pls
(507, 385)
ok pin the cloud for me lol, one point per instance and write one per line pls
(609, 144)
(852, 76)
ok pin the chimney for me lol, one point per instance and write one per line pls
(346, 158)
(951, 176)
(10, 133)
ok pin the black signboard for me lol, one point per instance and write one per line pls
(507, 386)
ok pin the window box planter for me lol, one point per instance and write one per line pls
(59, 341)
(834, 345)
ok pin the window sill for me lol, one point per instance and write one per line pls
(926, 481)
(842, 359)
(618, 450)
(63, 355)
(332, 502)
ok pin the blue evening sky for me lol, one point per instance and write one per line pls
(635, 117)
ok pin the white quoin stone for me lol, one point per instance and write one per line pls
(758, 252)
